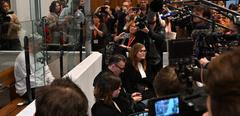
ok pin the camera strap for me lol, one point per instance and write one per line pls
(131, 39)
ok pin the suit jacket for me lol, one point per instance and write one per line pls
(102, 109)
(133, 82)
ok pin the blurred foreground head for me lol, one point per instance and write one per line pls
(223, 84)
(61, 98)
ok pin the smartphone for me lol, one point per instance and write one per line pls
(126, 35)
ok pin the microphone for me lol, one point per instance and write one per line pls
(168, 14)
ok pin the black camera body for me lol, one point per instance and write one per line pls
(182, 58)
(4, 17)
(141, 21)
(208, 43)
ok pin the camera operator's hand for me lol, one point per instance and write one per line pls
(136, 96)
(145, 30)
(100, 33)
(97, 10)
(216, 54)
(204, 61)
(206, 114)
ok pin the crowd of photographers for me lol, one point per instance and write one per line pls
(132, 39)
(139, 33)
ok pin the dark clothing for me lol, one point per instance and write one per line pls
(126, 103)
(98, 41)
(133, 82)
(158, 35)
(124, 100)
(121, 21)
(102, 109)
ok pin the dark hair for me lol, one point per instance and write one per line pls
(233, 7)
(166, 82)
(62, 98)
(105, 86)
(53, 5)
(1, 5)
(116, 59)
(223, 84)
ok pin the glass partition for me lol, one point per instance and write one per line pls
(55, 41)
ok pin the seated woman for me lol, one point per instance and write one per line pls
(105, 90)
(137, 75)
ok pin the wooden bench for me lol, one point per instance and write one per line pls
(8, 80)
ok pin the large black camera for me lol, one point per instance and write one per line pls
(208, 43)
(102, 12)
(4, 17)
(141, 21)
(181, 56)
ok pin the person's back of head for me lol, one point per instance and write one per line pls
(223, 84)
(62, 98)
(166, 82)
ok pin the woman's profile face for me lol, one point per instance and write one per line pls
(116, 92)
(58, 8)
(133, 28)
(141, 53)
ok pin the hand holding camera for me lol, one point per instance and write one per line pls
(136, 96)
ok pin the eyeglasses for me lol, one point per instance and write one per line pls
(119, 67)
(143, 51)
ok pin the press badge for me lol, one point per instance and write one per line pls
(95, 41)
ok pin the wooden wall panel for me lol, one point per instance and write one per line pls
(97, 3)
(113, 3)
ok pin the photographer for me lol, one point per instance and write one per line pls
(52, 23)
(222, 84)
(9, 27)
(168, 82)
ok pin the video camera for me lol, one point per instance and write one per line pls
(181, 56)
(208, 43)
(177, 105)
(102, 12)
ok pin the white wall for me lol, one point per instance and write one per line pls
(45, 7)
